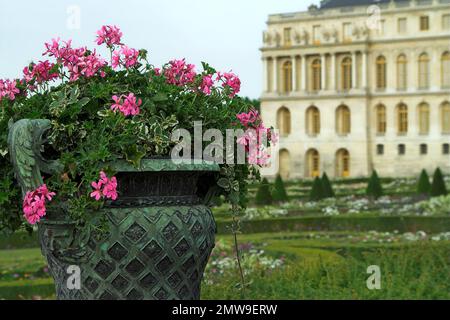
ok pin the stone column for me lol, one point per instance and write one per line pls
(304, 73)
(324, 72)
(265, 75)
(333, 72)
(275, 74)
(294, 73)
(413, 71)
(354, 73)
(364, 70)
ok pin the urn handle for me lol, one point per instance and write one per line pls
(25, 141)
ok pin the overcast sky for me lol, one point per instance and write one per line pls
(225, 33)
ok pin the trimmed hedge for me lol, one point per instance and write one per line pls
(402, 224)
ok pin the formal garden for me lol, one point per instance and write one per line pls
(310, 239)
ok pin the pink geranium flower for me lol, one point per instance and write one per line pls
(207, 83)
(78, 61)
(8, 89)
(111, 35)
(179, 73)
(40, 72)
(34, 204)
(128, 105)
(104, 188)
(125, 56)
(231, 81)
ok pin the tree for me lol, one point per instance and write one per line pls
(438, 187)
(327, 188)
(263, 195)
(374, 188)
(317, 192)
(424, 185)
(279, 193)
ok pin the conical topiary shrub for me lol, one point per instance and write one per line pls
(438, 187)
(374, 188)
(424, 185)
(263, 195)
(279, 193)
(327, 188)
(317, 192)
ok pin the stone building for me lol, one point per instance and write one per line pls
(358, 85)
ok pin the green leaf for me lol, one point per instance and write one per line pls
(133, 155)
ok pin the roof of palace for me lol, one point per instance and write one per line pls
(326, 4)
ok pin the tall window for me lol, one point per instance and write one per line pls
(343, 163)
(313, 121)
(424, 71)
(402, 72)
(423, 149)
(402, 25)
(381, 72)
(312, 163)
(402, 119)
(284, 121)
(343, 120)
(445, 70)
(381, 119)
(316, 71)
(287, 37)
(445, 117)
(316, 34)
(446, 148)
(446, 22)
(347, 32)
(401, 149)
(346, 73)
(424, 23)
(287, 76)
(424, 118)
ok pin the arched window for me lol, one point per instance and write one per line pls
(285, 164)
(316, 72)
(402, 72)
(313, 121)
(284, 121)
(312, 163)
(402, 119)
(445, 117)
(381, 72)
(287, 76)
(445, 70)
(343, 120)
(342, 163)
(346, 73)
(424, 118)
(381, 119)
(424, 71)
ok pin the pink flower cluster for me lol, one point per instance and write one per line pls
(104, 188)
(79, 61)
(34, 204)
(40, 72)
(125, 56)
(128, 105)
(207, 84)
(179, 73)
(111, 35)
(8, 89)
(254, 136)
(231, 81)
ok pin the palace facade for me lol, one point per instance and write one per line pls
(358, 85)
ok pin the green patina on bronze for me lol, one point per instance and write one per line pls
(153, 249)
